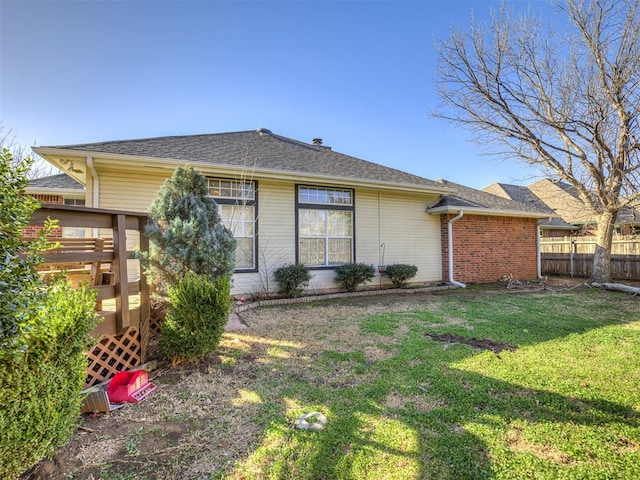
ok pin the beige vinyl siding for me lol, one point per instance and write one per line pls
(276, 237)
(398, 220)
(410, 235)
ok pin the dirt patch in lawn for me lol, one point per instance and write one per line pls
(478, 343)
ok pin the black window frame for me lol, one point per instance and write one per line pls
(325, 206)
(241, 202)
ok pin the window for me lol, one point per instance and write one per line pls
(78, 202)
(236, 201)
(325, 226)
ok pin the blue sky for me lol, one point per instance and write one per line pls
(358, 74)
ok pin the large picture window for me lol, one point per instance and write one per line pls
(236, 201)
(325, 226)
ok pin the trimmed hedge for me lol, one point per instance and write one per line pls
(40, 385)
(350, 275)
(292, 279)
(197, 314)
(400, 273)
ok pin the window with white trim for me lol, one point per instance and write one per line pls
(236, 201)
(325, 226)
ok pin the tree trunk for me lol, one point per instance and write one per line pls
(602, 258)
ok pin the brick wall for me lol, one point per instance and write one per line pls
(487, 247)
(32, 230)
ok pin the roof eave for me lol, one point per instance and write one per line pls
(248, 171)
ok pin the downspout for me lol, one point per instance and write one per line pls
(95, 183)
(95, 189)
(450, 249)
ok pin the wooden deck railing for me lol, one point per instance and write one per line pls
(103, 260)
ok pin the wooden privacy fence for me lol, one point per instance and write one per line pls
(101, 260)
(574, 256)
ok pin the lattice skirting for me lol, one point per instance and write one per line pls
(113, 353)
(158, 313)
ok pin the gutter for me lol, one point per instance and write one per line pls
(95, 183)
(450, 249)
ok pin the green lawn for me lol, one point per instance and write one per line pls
(565, 403)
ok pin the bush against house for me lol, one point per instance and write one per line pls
(400, 273)
(350, 275)
(44, 334)
(292, 279)
(186, 233)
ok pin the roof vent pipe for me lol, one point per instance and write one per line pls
(450, 249)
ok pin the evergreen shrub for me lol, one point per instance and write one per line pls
(40, 384)
(350, 275)
(400, 273)
(197, 314)
(292, 279)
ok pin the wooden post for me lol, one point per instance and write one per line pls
(123, 316)
(145, 309)
(571, 249)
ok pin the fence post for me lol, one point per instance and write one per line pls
(571, 248)
(123, 316)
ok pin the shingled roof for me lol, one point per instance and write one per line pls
(259, 150)
(523, 195)
(477, 201)
(60, 181)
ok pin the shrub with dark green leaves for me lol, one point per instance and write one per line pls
(350, 275)
(292, 279)
(40, 384)
(198, 312)
(400, 273)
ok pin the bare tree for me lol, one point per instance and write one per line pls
(39, 168)
(566, 102)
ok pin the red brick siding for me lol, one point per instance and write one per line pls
(57, 199)
(486, 247)
(32, 230)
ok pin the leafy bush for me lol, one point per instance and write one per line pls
(400, 273)
(40, 383)
(197, 314)
(350, 275)
(292, 279)
(186, 233)
(20, 286)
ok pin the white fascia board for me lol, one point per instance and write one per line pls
(486, 211)
(247, 172)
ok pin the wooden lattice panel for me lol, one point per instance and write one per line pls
(112, 354)
(157, 314)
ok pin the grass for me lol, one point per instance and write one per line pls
(399, 405)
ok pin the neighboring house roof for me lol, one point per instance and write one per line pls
(478, 202)
(558, 197)
(60, 184)
(255, 151)
(61, 181)
(523, 195)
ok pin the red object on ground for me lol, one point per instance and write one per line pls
(129, 386)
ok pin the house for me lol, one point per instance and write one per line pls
(290, 201)
(58, 189)
(574, 217)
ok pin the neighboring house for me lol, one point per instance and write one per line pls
(59, 189)
(288, 201)
(563, 200)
